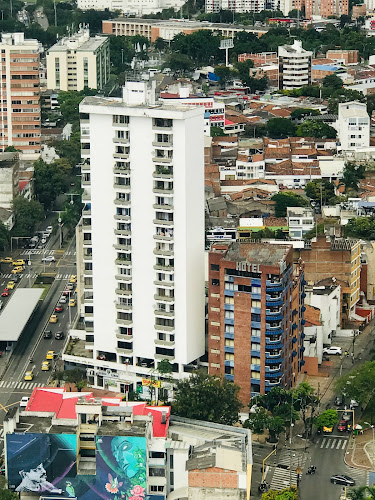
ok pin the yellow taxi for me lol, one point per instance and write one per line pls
(72, 302)
(50, 354)
(73, 279)
(6, 260)
(17, 270)
(11, 285)
(53, 318)
(29, 375)
(45, 366)
(18, 262)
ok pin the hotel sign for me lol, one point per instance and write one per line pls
(248, 266)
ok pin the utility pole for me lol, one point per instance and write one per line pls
(54, 6)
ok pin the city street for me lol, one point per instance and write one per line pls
(32, 344)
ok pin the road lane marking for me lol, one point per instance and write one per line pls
(333, 443)
(2, 383)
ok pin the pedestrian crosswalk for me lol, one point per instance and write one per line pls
(333, 442)
(37, 251)
(23, 386)
(10, 276)
(285, 473)
(70, 253)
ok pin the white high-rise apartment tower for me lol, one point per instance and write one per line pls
(142, 235)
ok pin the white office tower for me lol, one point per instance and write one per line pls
(294, 66)
(353, 126)
(143, 236)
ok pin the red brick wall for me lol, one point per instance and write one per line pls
(242, 341)
(213, 477)
(363, 279)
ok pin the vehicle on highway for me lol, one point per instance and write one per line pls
(339, 400)
(333, 350)
(59, 335)
(47, 334)
(49, 258)
(18, 262)
(342, 479)
(50, 354)
(17, 270)
(328, 430)
(354, 403)
(59, 309)
(24, 401)
(29, 375)
(66, 292)
(11, 285)
(45, 366)
(48, 229)
(69, 286)
(63, 299)
(5, 292)
(6, 260)
(347, 416)
(53, 318)
(15, 278)
(342, 426)
(73, 279)
(72, 302)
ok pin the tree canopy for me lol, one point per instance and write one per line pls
(320, 190)
(179, 63)
(352, 174)
(361, 227)
(329, 418)
(318, 129)
(27, 214)
(205, 397)
(51, 179)
(299, 113)
(287, 199)
(202, 46)
(278, 128)
(286, 494)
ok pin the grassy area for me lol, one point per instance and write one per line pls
(45, 291)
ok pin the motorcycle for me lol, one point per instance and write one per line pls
(311, 470)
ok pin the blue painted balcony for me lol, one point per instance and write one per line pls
(255, 324)
(303, 308)
(274, 361)
(230, 377)
(302, 362)
(274, 316)
(277, 331)
(229, 307)
(255, 381)
(229, 336)
(255, 368)
(229, 350)
(278, 302)
(229, 293)
(303, 295)
(303, 321)
(255, 354)
(294, 340)
(256, 281)
(256, 310)
(274, 287)
(229, 321)
(229, 363)
(274, 374)
(229, 279)
(294, 353)
(294, 326)
(256, 296)
(273, 345)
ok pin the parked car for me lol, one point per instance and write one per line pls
(49, 258)
(336, 351)
(342, 479)
(72, 302)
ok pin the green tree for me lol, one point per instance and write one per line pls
(278, 128)
(4, 236)
(69, 105)
(205, 397)
(360, 493)
(352, 174)
(202, 46)
(160, 44)
(69, 149)
(278, 401)
(329, 418)
(179, 63)
(6, 494)
(299, 113)
(314, 231)
(359, 384)
(306, 402)
(27, 214)
(76, 377)
(361, 227)
(332, 81)
(50, 180)
(255, 130)
(317, 129)
(287, 199)
(72, 212)
(257, 420)
(11, 149)
(216, 132)
(318, 190)
(287, 494)
(224, 73)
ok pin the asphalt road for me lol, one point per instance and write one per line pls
(32, 344)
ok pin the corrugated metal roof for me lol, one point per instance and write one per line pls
(17, 312)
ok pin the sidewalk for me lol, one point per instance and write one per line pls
(360, 451)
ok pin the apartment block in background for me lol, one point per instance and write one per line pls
(255, 316)
(294, 66)
(19, 94)
(142, 233)
(78, 62)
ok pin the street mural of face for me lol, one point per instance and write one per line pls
(36, 480)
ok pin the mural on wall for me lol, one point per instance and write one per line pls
(47, 463)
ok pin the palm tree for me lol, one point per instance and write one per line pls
(357, 493)
(371, 491)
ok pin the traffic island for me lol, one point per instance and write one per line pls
(360, 450)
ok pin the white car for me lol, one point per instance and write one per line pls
(49, 258)
(337, 351)
(48, 229)
(24, 401)
(63, 299)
